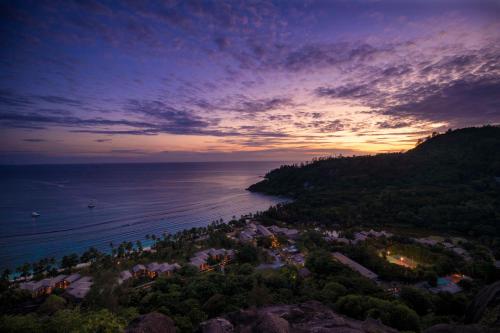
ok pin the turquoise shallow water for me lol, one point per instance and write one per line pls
(132, 200)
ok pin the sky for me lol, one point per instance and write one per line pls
(159, 81)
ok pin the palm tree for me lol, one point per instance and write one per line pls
(5, 274)
(139, 245)
(129, 246)
(24, 270)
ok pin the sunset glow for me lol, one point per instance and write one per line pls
(212, 80)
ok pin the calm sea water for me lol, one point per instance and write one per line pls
(132, 200)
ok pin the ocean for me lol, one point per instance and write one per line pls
(131, 201)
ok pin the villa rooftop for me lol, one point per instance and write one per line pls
(355, 266)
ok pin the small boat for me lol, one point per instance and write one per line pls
(91, 204)
(35, 214)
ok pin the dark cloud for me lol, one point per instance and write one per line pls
(221, 42)
(129, 151)
(395, 71)
(34, 140)
(34, 119)
(60, 100)
(117, 132)
(392, 124)
(8, 98)
(320, 55)
(171, 120)
(252, 106)
(463, 89)
(103, 140)
(325, 126)
(461, 101)
(13, 99)
(348, 91)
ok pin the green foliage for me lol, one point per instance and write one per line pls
(64, 321)
(12, 298)
(332, 291)
(215, 305)
(321, 262)
(51, 305)
(390, 313)
(416, 299)
(69, 261)
(102, 321)
(247, 254)
(447, 304)
(20, 324)
(446, 183)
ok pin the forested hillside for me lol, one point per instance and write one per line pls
(450, 181)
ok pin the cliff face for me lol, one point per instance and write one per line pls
(311, 316)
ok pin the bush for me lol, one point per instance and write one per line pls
(20, 324)
(392, 314)
(416, 300)
(321, 263)
(332, 291)
(52, 304)
(102, 321)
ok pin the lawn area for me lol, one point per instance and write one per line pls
(402, 261)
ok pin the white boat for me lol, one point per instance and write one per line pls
(35, 214)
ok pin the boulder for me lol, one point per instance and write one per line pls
(449, 328)
(153, 322)
(271, 323)
(217, 325)
(308, 317)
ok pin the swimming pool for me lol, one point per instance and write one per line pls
(443, 281)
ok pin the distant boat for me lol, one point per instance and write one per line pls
(35, 214)
(91, 204)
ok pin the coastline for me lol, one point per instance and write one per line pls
(146, 199)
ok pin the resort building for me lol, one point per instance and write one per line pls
(200, 259)
(253, 230)
(462, 252)
(343, 240)
(59, 282)
(47, 285)
(36, 288)
(263, 231)
(426, 241)
(80, 288)
(359, 237)
(124, 276)
(331, 235)
(200, 263)
(71, 278)
(246, 236)
(288, 233)
(297, 259)
(154, 269)
(364, 235)
(139, 270)
(355, 266)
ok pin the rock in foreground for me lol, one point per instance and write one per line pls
(153, 322)
(301, 318)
